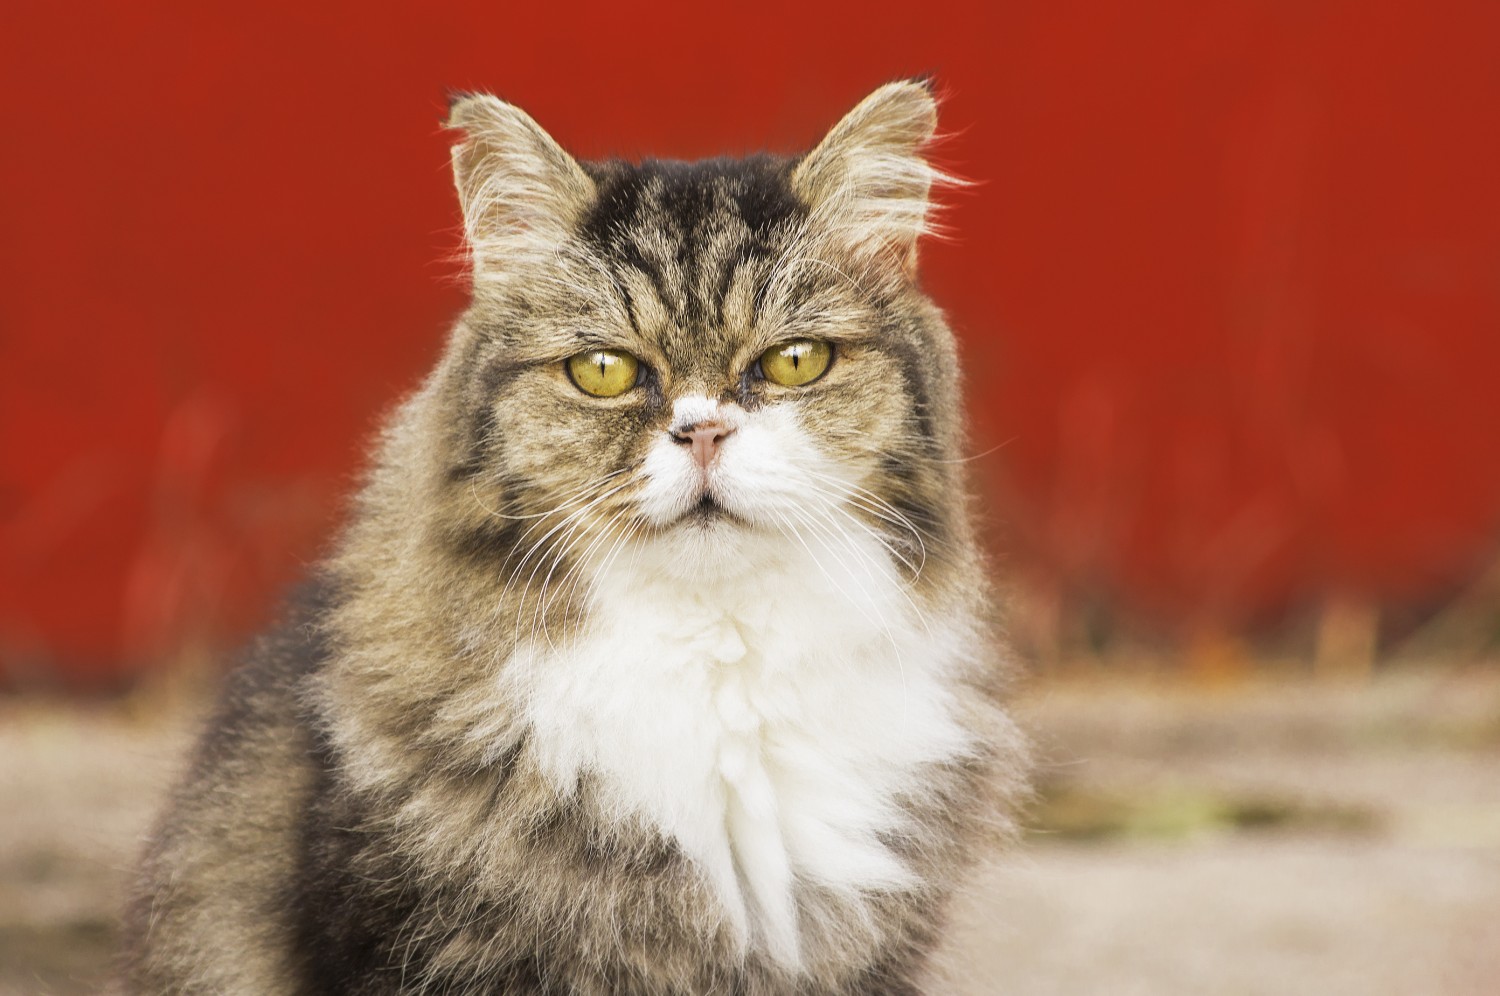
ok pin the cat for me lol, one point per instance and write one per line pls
(657, 654)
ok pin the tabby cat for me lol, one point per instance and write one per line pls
(655, 658)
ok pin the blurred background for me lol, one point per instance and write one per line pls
(1228, 291)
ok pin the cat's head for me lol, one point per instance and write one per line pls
(701, 356)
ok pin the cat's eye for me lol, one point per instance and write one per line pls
(793, 364)
(604, 373)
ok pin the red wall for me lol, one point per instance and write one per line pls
(1229, 284)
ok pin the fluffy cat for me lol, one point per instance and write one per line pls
(655, 657)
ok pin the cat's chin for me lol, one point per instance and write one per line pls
(707, 541)
(709, 513)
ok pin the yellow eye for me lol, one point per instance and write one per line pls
(603, 373)
(793, 364)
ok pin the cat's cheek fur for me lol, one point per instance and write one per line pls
(763, 475)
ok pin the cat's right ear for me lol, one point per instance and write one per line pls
(521, 194)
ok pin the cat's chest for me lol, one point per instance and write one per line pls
(769, 725)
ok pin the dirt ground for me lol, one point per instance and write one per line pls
(1266, 837)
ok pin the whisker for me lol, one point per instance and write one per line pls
(569, 518)
(569, 540)
(620, 540)
(880, 624)
(838, 501)
(857, 604)
(569, 581)
(827, 514)
(577, 496)
(879, 507)
(980, 456)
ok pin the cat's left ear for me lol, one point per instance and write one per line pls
(868, 184)
(520, 192)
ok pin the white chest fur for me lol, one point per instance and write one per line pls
(767, 722)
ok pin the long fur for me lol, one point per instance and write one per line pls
(565, 714)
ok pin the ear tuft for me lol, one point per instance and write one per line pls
(454, 98)
(520, 192)
(867, 183)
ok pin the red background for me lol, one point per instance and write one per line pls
(1228, 285)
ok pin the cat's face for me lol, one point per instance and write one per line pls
(696, 355)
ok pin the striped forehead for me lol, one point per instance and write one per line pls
(681, 238)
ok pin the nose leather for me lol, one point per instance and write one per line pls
(704, 438)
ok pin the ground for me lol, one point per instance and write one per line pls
(1265, 836)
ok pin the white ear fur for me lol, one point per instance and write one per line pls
(520, 192)
(867, 183)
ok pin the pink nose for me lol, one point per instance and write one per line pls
(704, 438)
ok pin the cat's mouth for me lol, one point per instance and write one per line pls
(708, 511)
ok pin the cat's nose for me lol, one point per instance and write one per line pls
(704, 438)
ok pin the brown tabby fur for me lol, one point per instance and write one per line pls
(364, 814)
